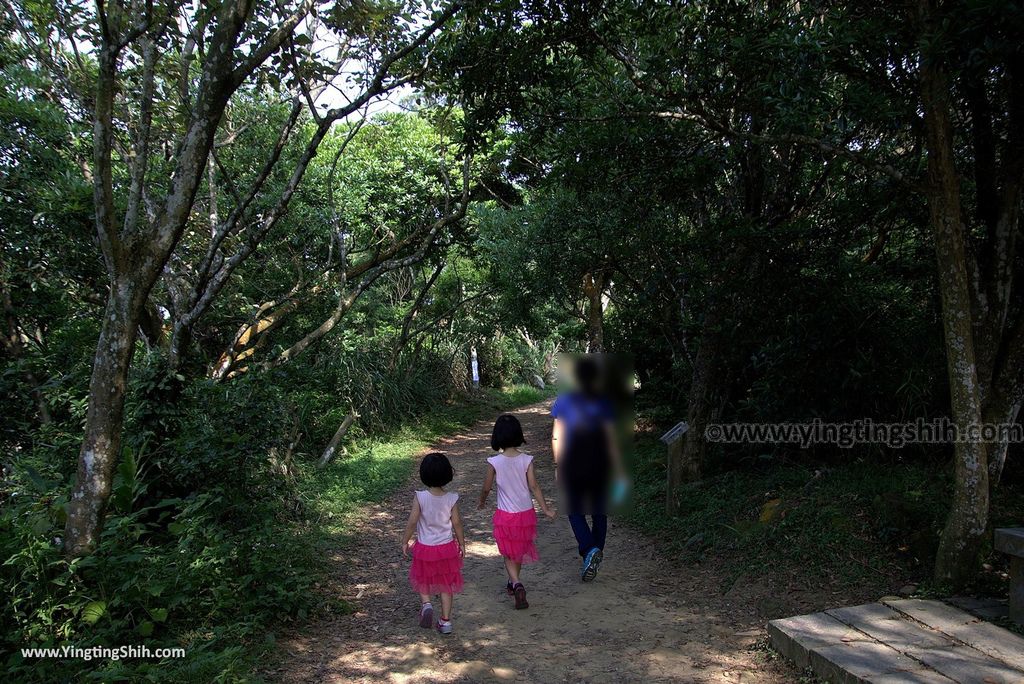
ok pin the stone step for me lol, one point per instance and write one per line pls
(900, 642)
(935, 649)
(841, 654)
(990, 639)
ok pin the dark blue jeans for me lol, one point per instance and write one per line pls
(582, 501)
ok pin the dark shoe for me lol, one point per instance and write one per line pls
(591, 563)
(520, 593)
(509, 589)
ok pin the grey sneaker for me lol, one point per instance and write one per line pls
(591, 564)
(444, 626)
(426, 615)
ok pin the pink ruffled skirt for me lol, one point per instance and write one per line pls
(515, 533)
(436, 569)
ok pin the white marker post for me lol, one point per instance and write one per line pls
(475, 367)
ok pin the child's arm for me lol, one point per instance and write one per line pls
(531, 480)
(410, 526)
(457, 526)
(488, 483)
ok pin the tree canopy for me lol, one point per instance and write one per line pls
(238, 236)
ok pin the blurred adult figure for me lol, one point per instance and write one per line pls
(583, 441)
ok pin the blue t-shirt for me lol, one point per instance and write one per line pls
(585, 460)
(581, 412)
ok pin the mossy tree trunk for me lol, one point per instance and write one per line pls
(593, 290)
(968, 517)
(983, 328)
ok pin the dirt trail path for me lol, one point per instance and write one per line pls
(640, 621)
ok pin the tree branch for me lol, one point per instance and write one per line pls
(271, 44)
(346, 301)
(140, 153)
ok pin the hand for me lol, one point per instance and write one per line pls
(462, 549)
(480, 505)
(405, 550)
(619, 490)
(551, 513)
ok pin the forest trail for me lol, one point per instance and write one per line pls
(643, 619)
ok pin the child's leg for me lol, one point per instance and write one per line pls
(426, 612)
(512, 568)
(446, 606)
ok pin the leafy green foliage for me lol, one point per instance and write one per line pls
(680, 150)
(202, 572)
(849, 524)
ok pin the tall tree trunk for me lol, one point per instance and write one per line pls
(1001, 413)
(968, 517)
(699, 402)
(136, 252)
(1003, 399)
(180, 339)
(593, 289)
(102, 442)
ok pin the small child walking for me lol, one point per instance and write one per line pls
(440, 544)
(515, 521)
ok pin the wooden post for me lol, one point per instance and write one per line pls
(677, 471)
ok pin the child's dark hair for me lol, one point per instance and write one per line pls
(436, 470)
(507, 433)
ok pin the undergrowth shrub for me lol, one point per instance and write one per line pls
(848, 522)
(177, 573)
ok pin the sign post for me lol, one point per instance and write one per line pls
(475, 367)
(673, 439)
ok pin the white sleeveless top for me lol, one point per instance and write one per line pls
(510, 476)
(435, 524)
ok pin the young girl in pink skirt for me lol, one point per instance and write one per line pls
(515, 521)
(440, 544)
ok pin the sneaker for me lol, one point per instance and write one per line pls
(426, 615)
(591, 564)
(520, 593)
(444, 626)
(509, 589)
